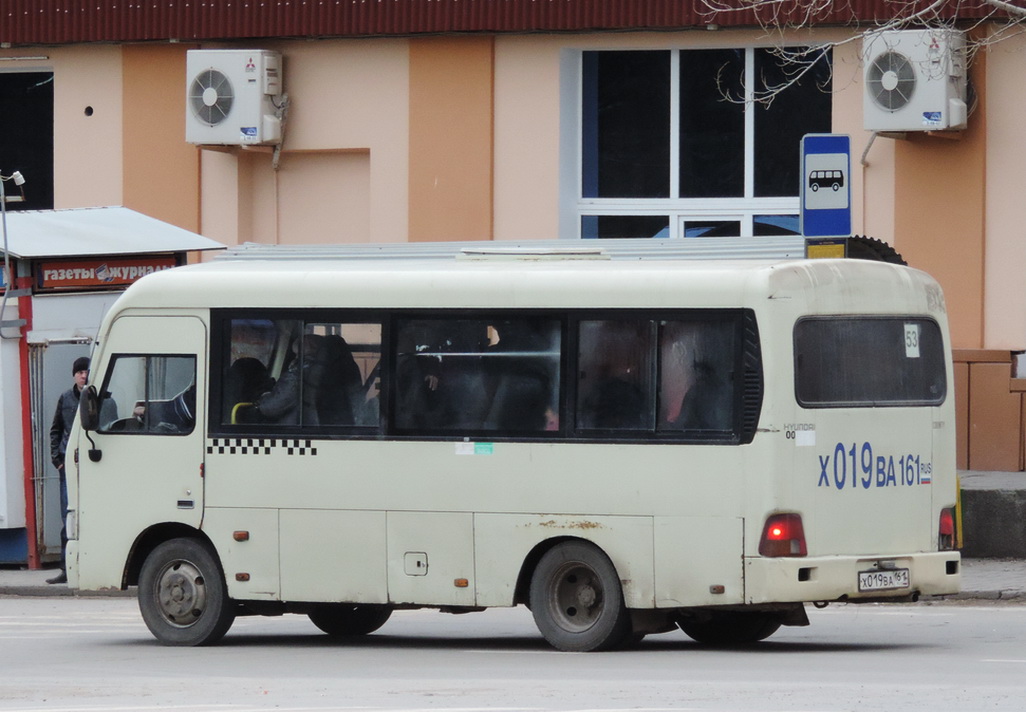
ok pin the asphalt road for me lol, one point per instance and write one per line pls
(91, 654)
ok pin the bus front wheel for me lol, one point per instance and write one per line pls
(342, 619)
(577, 601)
(729, 627)
(182, 594)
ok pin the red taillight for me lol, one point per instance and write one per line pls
(946, 539)
(783, 535)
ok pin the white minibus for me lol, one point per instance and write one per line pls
(627, 447)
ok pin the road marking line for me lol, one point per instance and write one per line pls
(230, 707)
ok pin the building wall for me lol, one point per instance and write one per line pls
(343, 170)
(939, 192)
(536, 137)
(527, 137)
(451, 120)
(161, 171)
(1004, 261)
(88, 126)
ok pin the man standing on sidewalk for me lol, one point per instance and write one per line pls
(67, 404)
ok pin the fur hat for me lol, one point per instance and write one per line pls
(81, 364)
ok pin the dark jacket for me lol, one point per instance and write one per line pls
(61, 428)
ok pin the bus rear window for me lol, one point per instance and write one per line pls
(868, 361)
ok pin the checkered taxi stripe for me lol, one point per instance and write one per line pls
(259, 446)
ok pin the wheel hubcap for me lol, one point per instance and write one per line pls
(577, 598)
(181, 593)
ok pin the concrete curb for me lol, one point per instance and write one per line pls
(993, 514)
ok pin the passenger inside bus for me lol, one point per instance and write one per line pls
(298, 382)
(440, 374)
(706, 405)
(615, 375)
(696, 376)
(522, 379)
(340, 396)
(246, 381)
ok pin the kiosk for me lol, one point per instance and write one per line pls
(70, 266)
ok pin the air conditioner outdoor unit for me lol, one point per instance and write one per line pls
(231, 96)
(915, 80)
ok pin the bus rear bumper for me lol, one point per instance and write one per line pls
(899, 577)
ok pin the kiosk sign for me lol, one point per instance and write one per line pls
(826, 185)
(93, 273)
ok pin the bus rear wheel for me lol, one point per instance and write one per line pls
(343, 619)
(577, 601)
(182, 594)
(729, 627)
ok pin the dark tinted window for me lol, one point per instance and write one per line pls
(681, 377)
(613, 226)
(297, 372)
(480, 374)
(867, 361)
(801, 107)
(626, 125)
(712, 128)
(26, 136)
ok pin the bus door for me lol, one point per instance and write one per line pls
(148, 448)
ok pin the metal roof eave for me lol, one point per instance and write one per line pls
(39, 22)
(89, 232)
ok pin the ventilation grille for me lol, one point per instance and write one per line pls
(751, 397)
(891, 81)
(211, 97)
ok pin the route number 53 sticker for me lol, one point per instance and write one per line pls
(911, 340)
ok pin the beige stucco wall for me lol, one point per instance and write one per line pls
(88, 150)
(1004, 311)
(161, 170)
(527, 147)
(343, 171)
(451, 124)
(939, 195)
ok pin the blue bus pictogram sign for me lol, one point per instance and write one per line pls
(826, 185)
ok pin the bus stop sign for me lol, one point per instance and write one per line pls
(826, 185)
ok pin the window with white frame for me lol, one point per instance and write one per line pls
(672, 144)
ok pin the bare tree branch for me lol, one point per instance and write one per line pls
(778, 18)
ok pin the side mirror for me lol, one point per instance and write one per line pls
(89, 408)
(89, 418)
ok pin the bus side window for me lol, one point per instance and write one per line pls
(252, 347)
(344, 389)
(697, 376)
(150, 394)
(615, 375)
(523, 375)
(465, 375)
(299, 373)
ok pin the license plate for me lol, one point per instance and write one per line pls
(883, 579)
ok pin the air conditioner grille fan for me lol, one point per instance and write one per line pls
(211, 96)
(892, 81)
